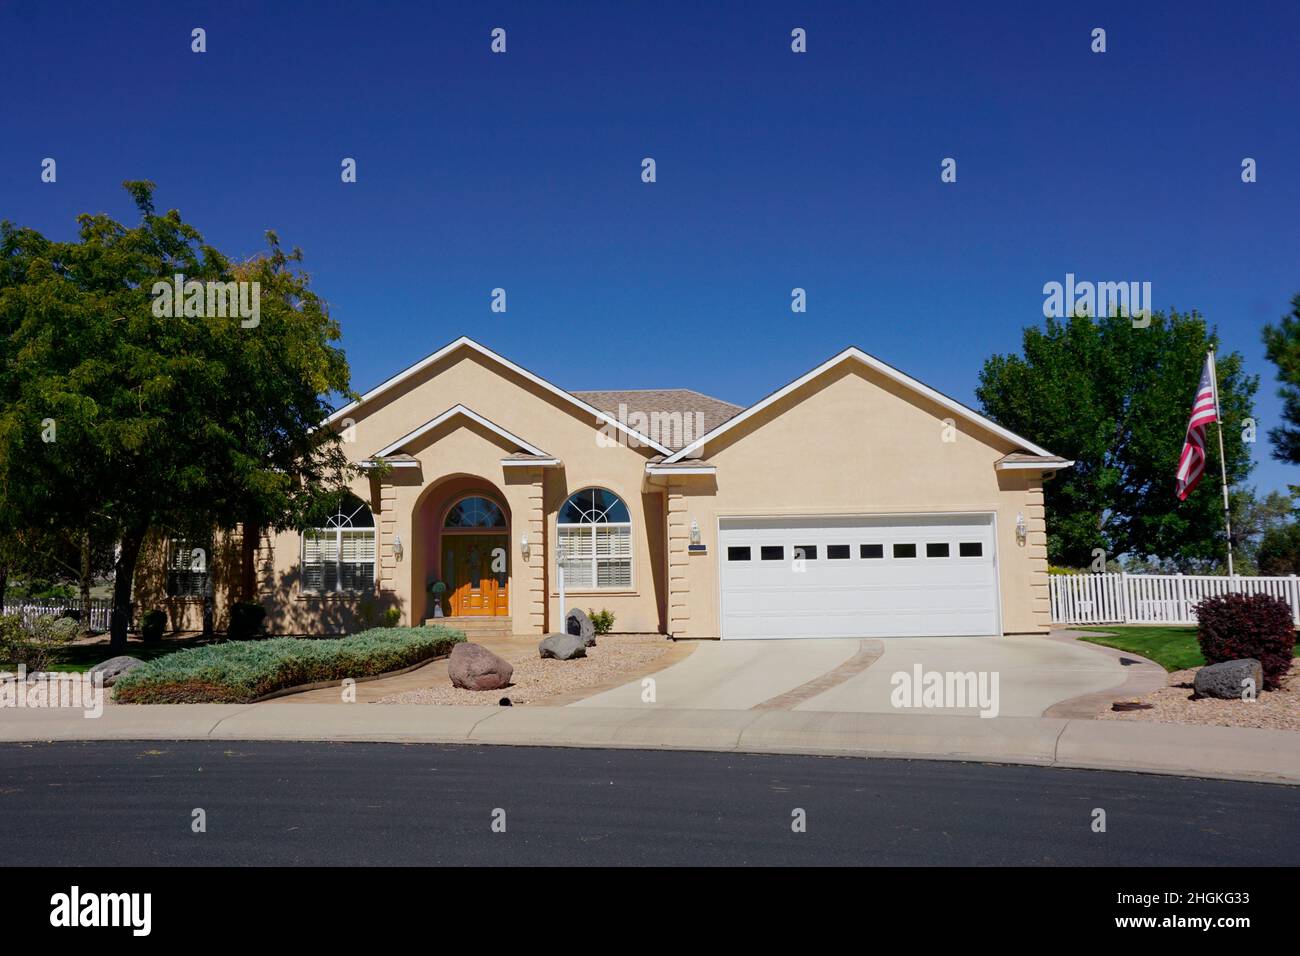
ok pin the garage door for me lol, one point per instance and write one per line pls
(902, 575)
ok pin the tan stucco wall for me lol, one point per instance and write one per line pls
(186, 613)
(855, 442)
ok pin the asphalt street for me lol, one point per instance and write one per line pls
(347, 804)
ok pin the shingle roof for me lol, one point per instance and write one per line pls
(685, 402)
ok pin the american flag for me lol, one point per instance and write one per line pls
(1191, 463)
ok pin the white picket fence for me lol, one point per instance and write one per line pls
(31, 610)
(1154, 598)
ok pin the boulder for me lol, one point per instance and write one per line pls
(578, 624)
(1225, 679)
(562, 647)
(115, 667)
(474, 667)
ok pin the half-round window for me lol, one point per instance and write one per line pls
(339, 553)
(595, 541)
(594, 506)
(475, 512)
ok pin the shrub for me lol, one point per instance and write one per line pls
(35, 646)
(243, 672)
(245, 620)
(1234, 626)
(151, 627)
(602, 621)
(392, 616)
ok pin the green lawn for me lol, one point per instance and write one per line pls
(83, 657)
(1173, 648)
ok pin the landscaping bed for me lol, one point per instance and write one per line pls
(614, 659)
(1174, 704)
(241, 672)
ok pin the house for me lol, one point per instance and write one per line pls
(853, 501)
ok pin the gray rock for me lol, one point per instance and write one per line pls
(474, 667)
(115, 667)
(562, 647)
(577, 623)
(1225, 679)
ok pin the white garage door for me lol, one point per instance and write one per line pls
(902, 575)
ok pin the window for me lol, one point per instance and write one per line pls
(595, 539)
(904, 550)
(738, 553)
(772, 552)
(339, 554)
(837, 552)
(187, 568)
(871, 550)
(936, 549)
(807, 552)
(475, 512)
(970, 549)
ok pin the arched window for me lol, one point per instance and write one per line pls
(475, 512)
(339, 554)
(595, 539)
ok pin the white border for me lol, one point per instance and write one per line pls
(470, 414)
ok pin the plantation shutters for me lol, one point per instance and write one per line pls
(595, 539)
(187, 568)
(340, 556)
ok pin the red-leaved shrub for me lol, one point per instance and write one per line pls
(1235, 626)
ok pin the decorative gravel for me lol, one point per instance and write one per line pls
(534, 680)
(1274, 709)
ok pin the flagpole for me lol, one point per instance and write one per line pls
(1223, 464)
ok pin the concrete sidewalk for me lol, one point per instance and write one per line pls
(1224, 752)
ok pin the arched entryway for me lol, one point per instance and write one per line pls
(444, 531)
(474, 557)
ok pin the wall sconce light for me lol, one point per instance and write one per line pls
(1022, 529)
(397, 547)
(523, 545)
(695, 531)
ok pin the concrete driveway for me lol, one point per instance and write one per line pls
(855, 676)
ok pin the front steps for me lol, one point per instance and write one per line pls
(475, 628)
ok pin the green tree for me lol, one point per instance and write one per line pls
(1279, 551)
(1282, 346)
(115, 418)
(1116, 400)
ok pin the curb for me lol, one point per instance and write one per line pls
(1230, 753)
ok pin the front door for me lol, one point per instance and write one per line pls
(477, 574)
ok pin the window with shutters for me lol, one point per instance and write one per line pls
(339, 554)
(187, 567)
(594, 546)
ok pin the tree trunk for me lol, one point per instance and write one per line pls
(123, 576)
(4, 586)
(85, 582)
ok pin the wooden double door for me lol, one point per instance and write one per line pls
(476, 570)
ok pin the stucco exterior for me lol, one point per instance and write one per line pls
(848, 440)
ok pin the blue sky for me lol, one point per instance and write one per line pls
(775, 170)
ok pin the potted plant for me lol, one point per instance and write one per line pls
(437, 589)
